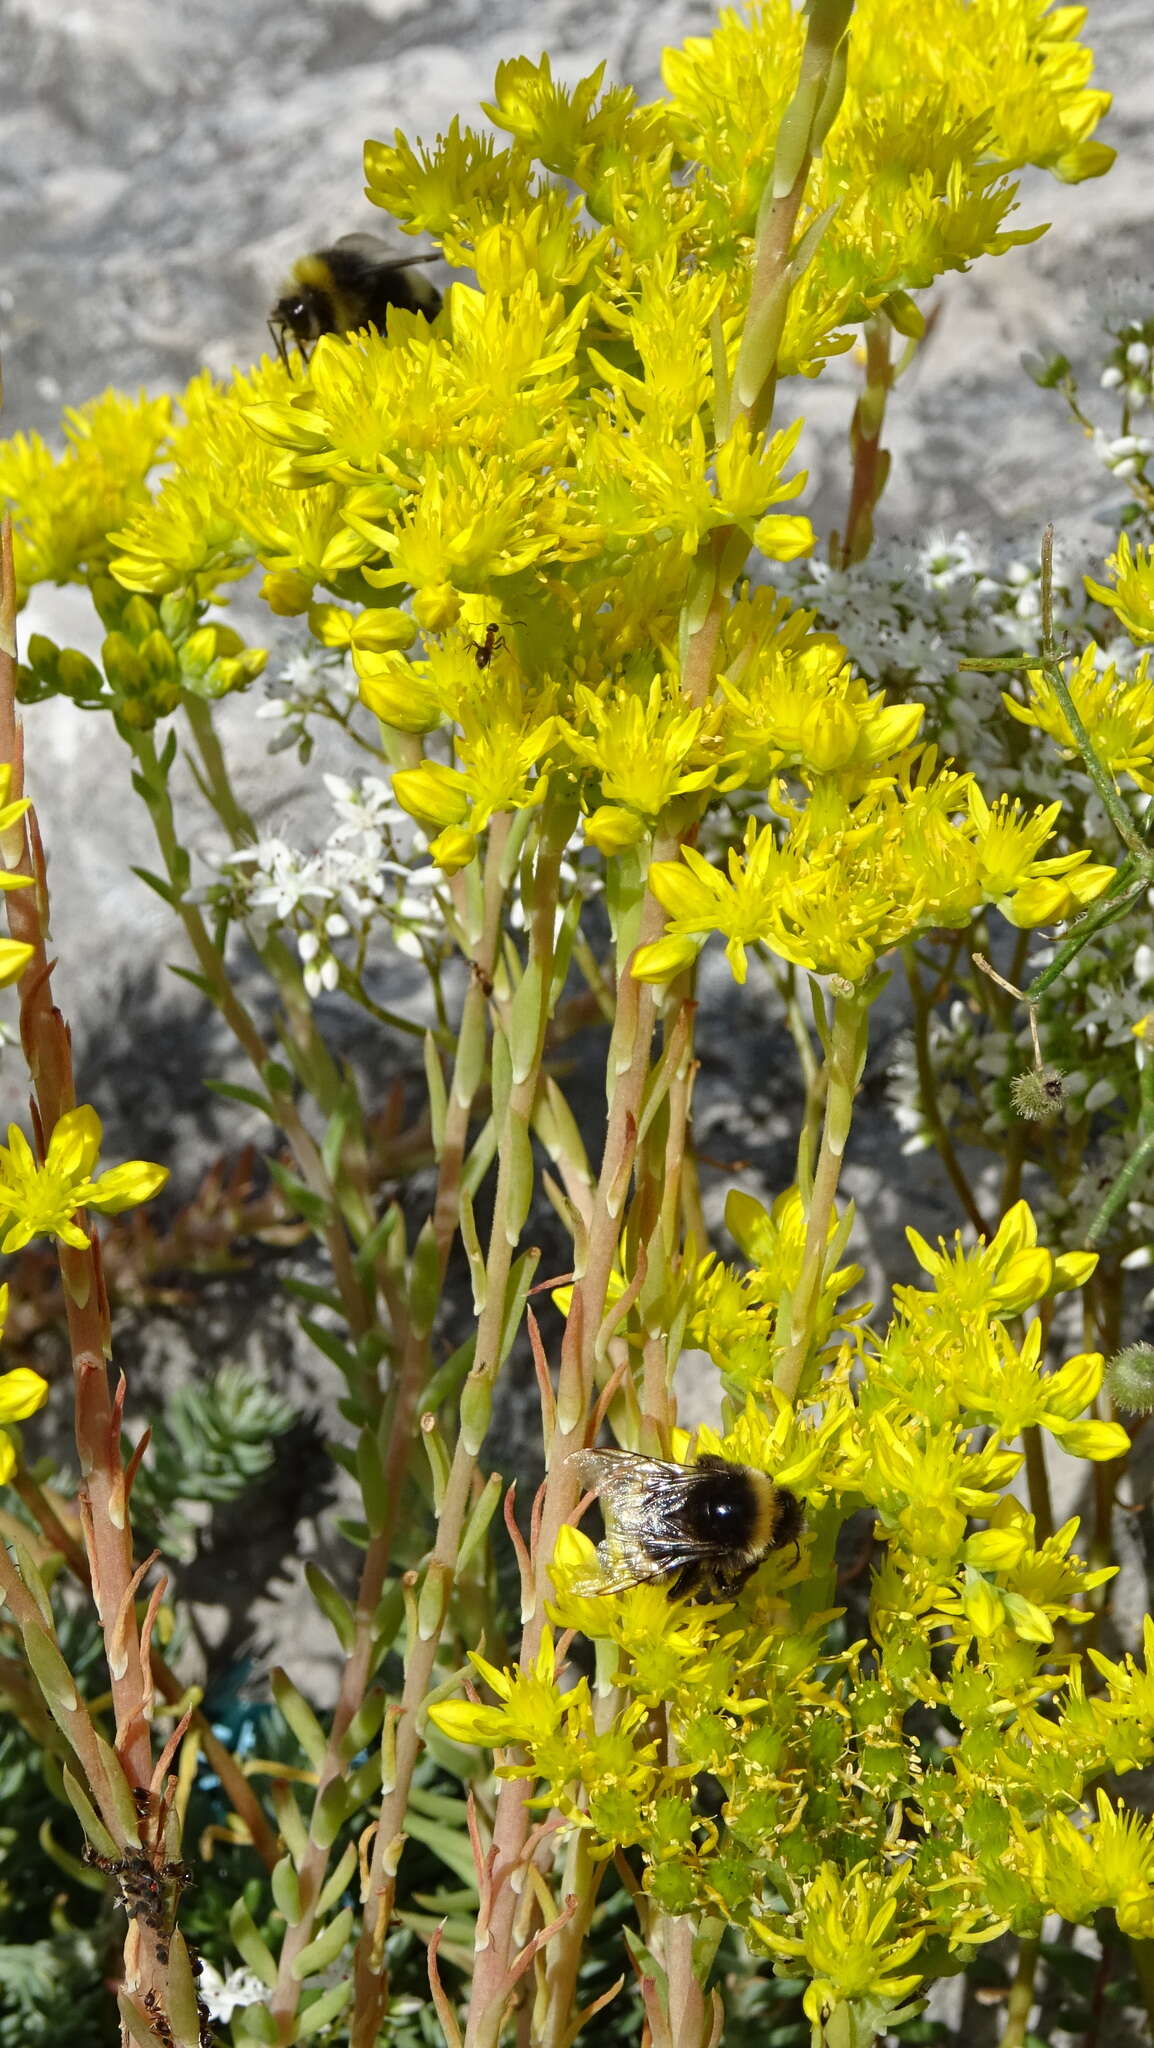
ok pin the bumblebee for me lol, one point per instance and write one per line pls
(704, 1528)
(351, 285)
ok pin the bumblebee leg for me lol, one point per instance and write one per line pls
(727, 1583)
(688, 1580)
(279, 344)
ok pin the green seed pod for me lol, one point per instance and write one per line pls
(1038, 1094)
(1130, 1379)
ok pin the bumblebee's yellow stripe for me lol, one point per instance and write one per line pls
(767, 1516)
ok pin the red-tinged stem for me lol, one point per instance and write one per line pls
(237, 1788)
(870, 462)
(47, 1046)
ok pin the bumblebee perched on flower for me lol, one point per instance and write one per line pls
(353, 284)
(704, 1527)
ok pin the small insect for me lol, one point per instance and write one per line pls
(703, 1527)
(351, 285)
(484, 650)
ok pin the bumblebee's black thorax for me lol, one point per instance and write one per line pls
(370, 287)
(725, 1507)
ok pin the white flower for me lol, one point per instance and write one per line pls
(225, 1995)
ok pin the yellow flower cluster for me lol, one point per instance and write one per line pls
(852, 878)
(66, 506)
(753, 1695)
(1118, 710)
(914, 179)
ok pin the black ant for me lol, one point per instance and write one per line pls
(484, 650)
(158, 2019)
(146, 1893)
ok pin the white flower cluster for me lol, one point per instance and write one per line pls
(360, 878)
(968, 1057)
(1130, 367)
(1124, 455)
(909, 614)
(223, 1996)
(313, 682)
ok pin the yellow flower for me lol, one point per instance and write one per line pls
(1132, 597)
(554, 1726)
(22, 1392)
(1029, 891)
(1105, 1862)
(65, 507)
(845, 1940)
(1117, 710)
(830, 902)
(640, 747)
(43, 1199)
(1005, 1275)
(793, 700)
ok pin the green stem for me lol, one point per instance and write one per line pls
(1142, 1956)
(943, 1144)
(1038, 1483)
(1113, 1200)
(846, 1058)
(412, 1374)
(354, 1299)
(371, 1992)
(239, 823)
(627, 1069)
(777, 263)
(1021, 1994)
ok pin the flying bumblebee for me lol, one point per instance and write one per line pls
(703, 1527)
(353, 284)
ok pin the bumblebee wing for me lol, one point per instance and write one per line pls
(620, 1567)
(368, 249)
(619, 1473)
(371, 254)
(637, 1494)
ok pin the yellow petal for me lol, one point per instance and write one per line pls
(22, 1392)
